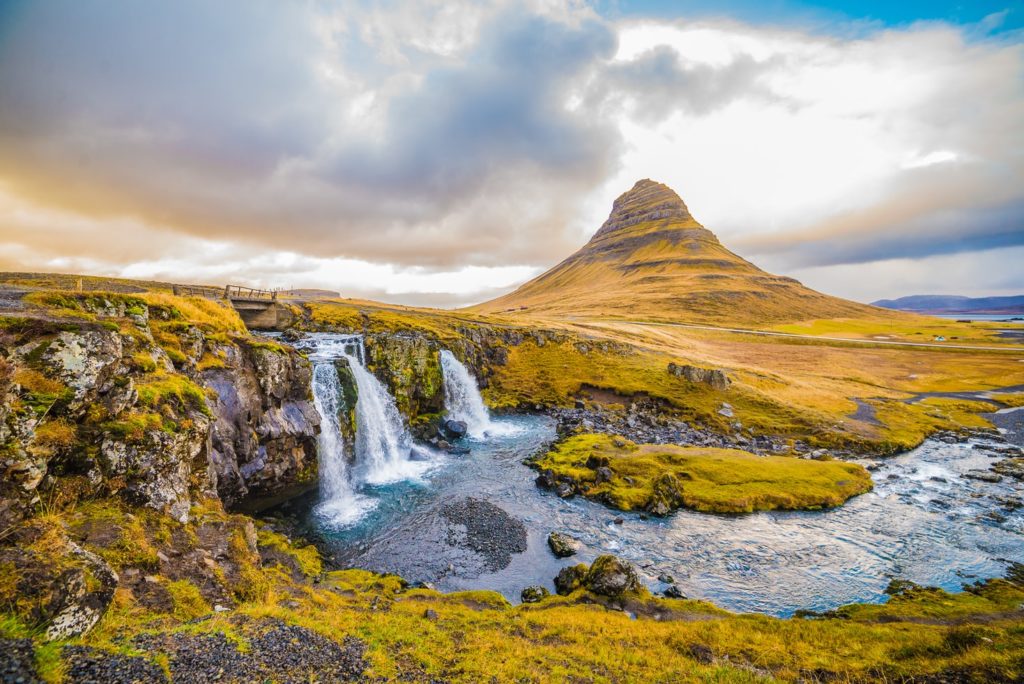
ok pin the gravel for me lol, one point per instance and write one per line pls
(486, 529)
(17, 662)
(95, 666)
(277, 652)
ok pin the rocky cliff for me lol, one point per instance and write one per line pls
(131, 399)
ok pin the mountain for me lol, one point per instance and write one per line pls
(652, 260)
(953, 304)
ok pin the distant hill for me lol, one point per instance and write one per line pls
(652, 260)
(952, 304)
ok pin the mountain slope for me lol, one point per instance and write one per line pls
(652, 260)
(955, 304)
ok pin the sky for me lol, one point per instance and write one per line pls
(441, 152)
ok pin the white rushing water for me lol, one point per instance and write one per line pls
(462, 398)
(340, 504)
(383, 447)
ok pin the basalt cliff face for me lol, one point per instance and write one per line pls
(652, 260)
(154, 417)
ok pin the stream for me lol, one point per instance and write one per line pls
(478, 521)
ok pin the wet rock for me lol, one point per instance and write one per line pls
(454, 429)
(673, 592)
(611, 576)
(534, 594)
(666, 578)
(291, 335)
(486, 529)
(983, 476)
(570, 578)
(565, 490)
(562, 545)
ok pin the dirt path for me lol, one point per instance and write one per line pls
(817, 338)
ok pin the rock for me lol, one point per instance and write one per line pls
(619, 520)
(291, 335)
(666, 578)
(713, 377)
(983, 476)
(610, 576)
(562, 545)
(534, 594)
(726, 410)
(430, 614)
(17, 662)
(603, 474)
(454, 429)
(565, 490)
(570, 578)
(673, 592)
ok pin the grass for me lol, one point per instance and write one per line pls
(478, 636)
(176, 391)
(666, 477)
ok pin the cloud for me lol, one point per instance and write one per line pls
(446, 144)
(276, 126)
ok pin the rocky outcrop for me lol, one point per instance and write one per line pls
(712, 377)
(264, 435)
(149, 408)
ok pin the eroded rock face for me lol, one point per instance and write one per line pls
(713, 377)
(108, 408)
(263, 439)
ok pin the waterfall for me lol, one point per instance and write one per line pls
(339, 503)
(462, 398)
(383, 445)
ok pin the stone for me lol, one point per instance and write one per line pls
(454, 429)
(430, 614)
(673, 592)
(603, 474)
(534, 594)
(562, 545)
(611, 576)
(565, 490)
(983, 476)
(712, 377)
(570, 578)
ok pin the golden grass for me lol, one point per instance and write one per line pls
(702, 479)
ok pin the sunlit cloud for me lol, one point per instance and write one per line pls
(439, 152)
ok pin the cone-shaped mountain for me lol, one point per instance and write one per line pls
(651, 260)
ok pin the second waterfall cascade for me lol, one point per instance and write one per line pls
(463, 402)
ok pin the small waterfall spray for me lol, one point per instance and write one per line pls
(383, 445)
(462, 397)
(339, 501)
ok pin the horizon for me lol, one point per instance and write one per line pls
(442, 155)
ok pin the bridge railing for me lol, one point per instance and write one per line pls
(226, 292)
(238, 292)
(198, 291)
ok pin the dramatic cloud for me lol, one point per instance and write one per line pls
(456, 148)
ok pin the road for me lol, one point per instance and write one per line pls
(817, 338)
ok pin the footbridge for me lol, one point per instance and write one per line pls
(259, 309)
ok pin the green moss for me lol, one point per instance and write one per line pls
(661, 478)
(307, 558)
(174, 390)
(188, 602)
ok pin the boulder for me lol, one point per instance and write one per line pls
(562, 545)
(534, 594)
(712, 377)
(454, 429)
(611, 576)
(569, 579)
